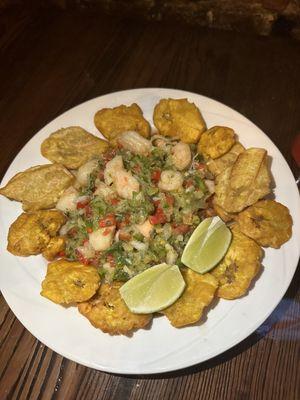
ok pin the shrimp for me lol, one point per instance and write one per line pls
(134, 142)
(102, 238)
(126, 184)
(67, 201)
(145, 228)
(181, 156)
(112, 169)
(104, 191)
(170, 180)
(85, 170)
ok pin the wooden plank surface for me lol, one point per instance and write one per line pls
(53, 60)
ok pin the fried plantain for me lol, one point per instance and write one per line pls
(220, 164)
(68, 282)
(240, 265)
(32, 233)
(244, 183)
(72, 147)
(179, 118)
(267, 222)
(107, 311)
(198, 294)
(216, 141)
(111, 122)
(38, 187)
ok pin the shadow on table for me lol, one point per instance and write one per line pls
(261, 332)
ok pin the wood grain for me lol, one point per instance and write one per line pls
(54, 60)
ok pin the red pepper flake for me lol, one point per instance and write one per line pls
(62, 253)
(81, 258)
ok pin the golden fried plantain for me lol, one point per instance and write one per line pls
(267, 222)
(111, 122)
(32, 233)
(55, 246)
(38, 187)
(224, 215)
(240, 265)
(72, 146)
(244, 183)
(216, 141)
(179, 118)
(198, 294)
(220, 164)
(69, 282)
(107, 311)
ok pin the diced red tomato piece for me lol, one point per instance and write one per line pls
(109, 220)
(62, 253)
(169, 199)
(181, 229)
(125, 236)
(111, 259)
(81, 258)
(155, 175)
(158, 218)
(89, 230)
(82, 204)
(115, 201)
(199, 165)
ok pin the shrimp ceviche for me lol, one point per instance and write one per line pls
(104, 212)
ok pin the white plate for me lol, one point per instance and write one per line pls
(160, 348)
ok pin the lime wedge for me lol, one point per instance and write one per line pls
(154, 289)
(207, 245)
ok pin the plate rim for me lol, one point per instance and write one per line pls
(217, 351)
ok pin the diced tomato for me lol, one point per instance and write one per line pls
(85, 241)
(111, 260)
(124, 222)
(72, 232)
(137, 168)
(109, 220)
(88, 211)
(101, 175)
(62, 253)
(181, 229)
(124, 236)
(109, 155)
(158, 218)
(115, 201)
(82, 204)
(81, 258)
(169, 199)
(155, 175)
(199, 165)
(89, 230)
(188, 183)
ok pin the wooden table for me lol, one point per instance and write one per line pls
(50, 61)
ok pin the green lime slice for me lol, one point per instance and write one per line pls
(207, 245)
(154, 289)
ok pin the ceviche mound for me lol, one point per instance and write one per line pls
(104, 211)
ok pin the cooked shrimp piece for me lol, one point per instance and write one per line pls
(126, 184)
(104, 191)
(145, 228)
(181, 155)
(170, 180)
(85, 171)
(134, 142)
(67, 201)
(112, 168)
(102, 238)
